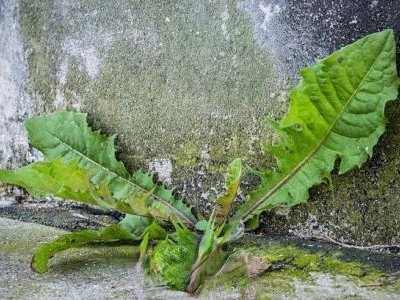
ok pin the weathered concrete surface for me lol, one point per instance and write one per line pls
(186, 86)
(14, 100)
(310, 271)
(76, 275)
(111, 273)
(101, 272)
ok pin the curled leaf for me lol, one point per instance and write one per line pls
(232, 183)
(111, 233)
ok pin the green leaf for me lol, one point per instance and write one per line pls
(201, 225)
(66, 135)
(232, 182)
(336, 111)
(65, 180)
(111, 233)
(136, 225)
(207, 242)
(210, 267)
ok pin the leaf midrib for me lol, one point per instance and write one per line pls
(183, 216)
(296, 169)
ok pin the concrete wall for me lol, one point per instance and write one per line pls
(186, 85)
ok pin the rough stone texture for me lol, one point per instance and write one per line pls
(81, 274)
(112, 273)
(186, 85)
(103, 272)
(14, 101)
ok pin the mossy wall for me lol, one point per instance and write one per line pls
(186, 85)
(180, 83)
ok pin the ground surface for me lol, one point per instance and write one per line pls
(112, 273)
(186, 87)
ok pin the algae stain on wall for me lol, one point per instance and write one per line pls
(164, 76)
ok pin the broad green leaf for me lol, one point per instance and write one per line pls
(136, 225)
(207, 242)
(66, 135)
(232, 182)
(69, 180)
(209, 245)
(153, 232)
(65, 180)
(336, 111)
(111, 233)
(210, 267)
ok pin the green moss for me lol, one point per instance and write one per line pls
(188, 155)
(370, 277)
(182, 72)
(173, 261)
(307, 261)
(299, 266)
(215, 284)
(277, 254)
(279, 282)
(298, 263)
(346, 268)
(41, 33)
(193, 69)
(312, 261)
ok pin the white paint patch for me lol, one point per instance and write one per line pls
(269, 11)
(374, 3)
(88, 42)
(92, 62)
(224, 20)
(354, 21)
(163, 167)
(205, 195)
(88, 59)
(63, 71)
(86, 54)
(205, 153)
(59, 101)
